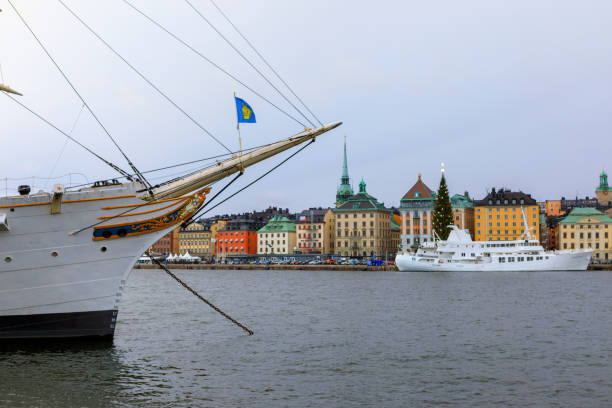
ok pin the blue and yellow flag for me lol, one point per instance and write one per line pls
(244, 111)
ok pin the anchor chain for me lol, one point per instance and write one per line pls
(196, 294)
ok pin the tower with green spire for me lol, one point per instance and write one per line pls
(344, 189)
(604, 192)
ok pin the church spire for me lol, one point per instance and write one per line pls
(345, 176)
(344, 189)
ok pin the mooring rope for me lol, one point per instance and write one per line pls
(196, 294)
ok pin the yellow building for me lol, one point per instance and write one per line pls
(195, 239)
(316, 231)
(587, 228)
(499, 216)
(364, 227)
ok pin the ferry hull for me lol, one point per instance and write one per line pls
(560, 261)
(55, 283)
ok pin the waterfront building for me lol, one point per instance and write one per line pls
(315, 229)
(345, 190)
(195, 239)
(499, 216)
(603, 193)
(168, 244)
(277, 237)
(215, 226)
(463, 212)
(416, 207)
(363, 226)
(587, 228)
(238, 237)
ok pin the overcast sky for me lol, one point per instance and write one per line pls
(515, 94)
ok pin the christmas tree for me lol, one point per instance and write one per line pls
(442, 215)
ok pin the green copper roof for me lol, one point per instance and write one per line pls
(580, 213)
(462, 201)
(361, 201)
(603, 182)
(278, 223)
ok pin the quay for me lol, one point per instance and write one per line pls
(592, 267)
(272, 267)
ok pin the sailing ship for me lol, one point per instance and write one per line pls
(65, 254)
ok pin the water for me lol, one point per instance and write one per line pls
(336, 339)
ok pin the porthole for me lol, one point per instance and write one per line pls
(103, 249)
(8, 259)
(12, 210)
(122, 232)
(106, 234)
(54, 254)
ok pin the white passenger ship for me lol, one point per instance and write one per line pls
(460, 253)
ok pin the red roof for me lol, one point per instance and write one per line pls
(420, 188)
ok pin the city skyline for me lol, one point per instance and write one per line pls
(514, 95)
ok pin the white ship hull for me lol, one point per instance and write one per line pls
(54, 283)
(558, 261)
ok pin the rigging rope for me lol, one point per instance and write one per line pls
(143, 76)
(191, 219)
(259, 178)
(264, 60)
(214, 64)
(248, 61)
(66, 142)
(142, 178)
(113, 166)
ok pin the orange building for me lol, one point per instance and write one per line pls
(238, 237)
(553, 208)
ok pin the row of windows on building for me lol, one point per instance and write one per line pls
(582, 245)
(588, 235)
(506, 201)
(308, 226)
(271, 234)
(363, 215)
(346, 244)
(588, 226)
(233, 241)
(195, 243)
(515, 209)
(498, 216)
(505, 225)
(313, 235)
(306, 245)
(231, 249)
(278, 242)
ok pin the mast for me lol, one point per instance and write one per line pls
(236, 164)
(526, 224)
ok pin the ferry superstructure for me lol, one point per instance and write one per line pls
(459, 253)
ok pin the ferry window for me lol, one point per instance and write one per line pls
(502, 260)
(473, 254)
